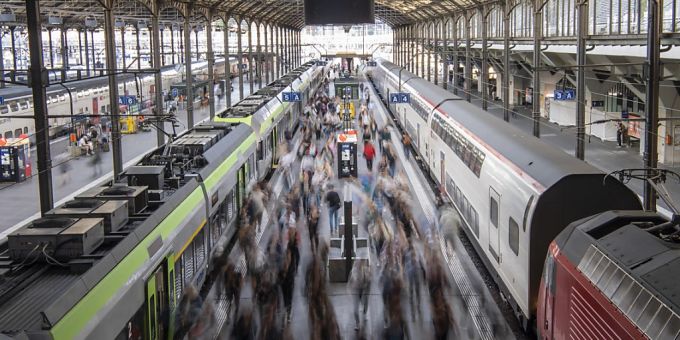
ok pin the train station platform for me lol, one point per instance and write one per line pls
(72, 175)
(475, 314)
(605, 155)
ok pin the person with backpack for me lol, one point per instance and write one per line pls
(333, 200)
(406, 141)
(384, 137)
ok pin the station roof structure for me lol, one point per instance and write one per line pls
(281, 12)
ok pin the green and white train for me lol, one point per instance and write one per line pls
(114, 262)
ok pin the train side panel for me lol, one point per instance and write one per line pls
(571, 307)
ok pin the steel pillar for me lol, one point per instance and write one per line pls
(161, 36)
(650, 156)
(536, 95)
(156, 47)
(64, 53)
(266, 54)
(277, 32)
(87, 55)
(456, 61)
(251, 64)
(110, 47)
(258, 59)
(506, 60)
(468, 60)
(80, 46)
(139, 48)
(93, 51)
(49, 36)
(445, 54)
(181, 45)
(582, 35)
(211, 63)
(189, 76)
(14, 49)
(437, 33)
(239, 45)
(39, 81)
(422, 49)
(122, 47)
(2, 63)
(172, 44)
(198, 51)
(227, 66)
(484, 74)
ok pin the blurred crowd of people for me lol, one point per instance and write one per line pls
(408, 268)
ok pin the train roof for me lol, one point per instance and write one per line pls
(627, 251)
(526, 154)
(36, 294)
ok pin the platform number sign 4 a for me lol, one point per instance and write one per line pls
(400, 98)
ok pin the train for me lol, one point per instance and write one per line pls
(515, 193)
(88, 97)
(115, 261)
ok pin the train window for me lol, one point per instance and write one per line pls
(24, 105)
(14, 106)
(62, 98)
(79, 94)
(526, 213)
(4, 109)
(493, 211)
(17, 132)
(260, 154)
(8, 134)
(670, 329)
(513, 236)
(26, 129)
(474, 220)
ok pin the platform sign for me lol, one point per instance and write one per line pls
(291, 96)
(568, 94)
(175, 92)
(127, 100)
(371, 64)
(2, 100)
(624, 114)
(400, 98)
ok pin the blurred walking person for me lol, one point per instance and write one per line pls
(360, 283)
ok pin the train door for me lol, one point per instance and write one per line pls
(157, 299)
(275, 147)
(442, 170)
(241, 185)
(494, 223)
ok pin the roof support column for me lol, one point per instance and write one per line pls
(189, 89)
(138, 47)
(92, 45)
(655, 13)
(428, 44)
(258, 58)
(87, 54)
(422, 51)
(506, 61)
(180, 38)
(239, 49)
(286, 50)
(437, 33)
(110, 48)
(2, 63)
(536, 95)
(298, 46)
(49, 36)
(468, 60)
(456, 61)
(156, 47)
(198, 51)
(161, 36)
(210, 55)
(410, 48)
(42, 135)
(484, 75)
(277, 30)
(122, 48)
(227, 63)
(267, 64)
(80, 48)
(272, 48)
(582, 35)
(251, 64)
(172, 44)
(445, 54)
(64, 52)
